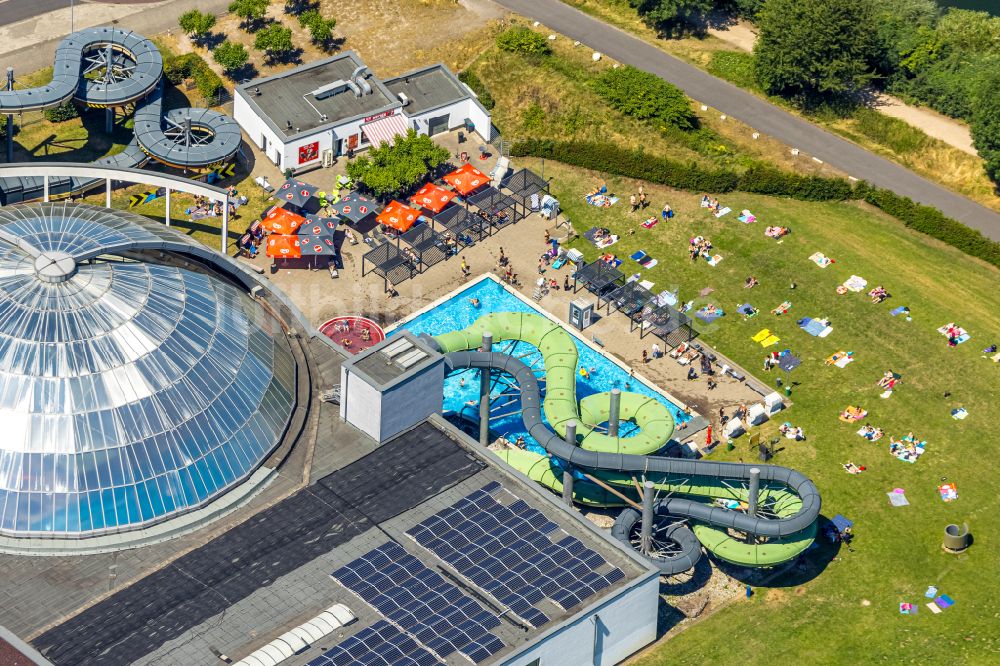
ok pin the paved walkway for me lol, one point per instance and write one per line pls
(935, 125)
(759, 114)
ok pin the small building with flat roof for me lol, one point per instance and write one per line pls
(310, 114)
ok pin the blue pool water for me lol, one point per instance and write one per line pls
(462, 388)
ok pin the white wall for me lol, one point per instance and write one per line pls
(360, 404)
(257, 129)
(409, 403)
(457, 113)
(291, 150)
(627, 623)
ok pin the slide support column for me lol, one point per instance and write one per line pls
(167, 216)
(616, 401)
(10, 118)
(45, 189)
(484, 394)
(568, 470)
(647, 517)
(223, 241)
(107, 193)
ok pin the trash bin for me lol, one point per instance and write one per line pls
(788, 391)
(956, 538)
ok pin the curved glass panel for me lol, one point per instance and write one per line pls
(130, 392)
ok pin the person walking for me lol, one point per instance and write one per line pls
(465, 268)
(668, 212)
(566, 283)
(633, 202)
(643, 201)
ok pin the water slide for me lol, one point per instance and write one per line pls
(108, 67)
(789, 502)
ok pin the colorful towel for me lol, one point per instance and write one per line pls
(944, 601)
(747, 310)
(963, 335)
(898, 498)
(840, 359)
(959, 414)
(746, 217)
(907, 608)
(708, 317)
(607, 241)
(933, 607)
(770, 340)
(761, 335)
(948, 492)
(714, 259)
(638, 256)
(901, 310)
(651, 222)
(907, 451)
(724, 211)
(820, 259)
(601, 200)
(788, 362)
(856, 283)
(782, 309)
(819, 328)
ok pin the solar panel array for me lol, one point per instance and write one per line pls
(379, 644)
(508, 551)
(421, 602)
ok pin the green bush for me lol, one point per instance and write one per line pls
(193, 66)
(196, 24)
(231, 56)
(523, 40)
(645, 96)
(895, 134)
(761, 179)
(469, 78)
(63, 112)
(275, 41)
(320, 29)
(932, 222)
(735, 67)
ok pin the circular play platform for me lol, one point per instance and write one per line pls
(353, 333)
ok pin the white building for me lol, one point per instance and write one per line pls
(308, 115)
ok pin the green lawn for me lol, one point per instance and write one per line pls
(897, 551)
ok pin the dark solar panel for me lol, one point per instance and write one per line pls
(380, 643)
(418, 600)
(509, 551)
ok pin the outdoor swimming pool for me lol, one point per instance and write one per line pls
(462, 388)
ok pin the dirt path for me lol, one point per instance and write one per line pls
(953, 132)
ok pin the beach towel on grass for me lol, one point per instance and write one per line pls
(856, 283)
(651, 222)
(898, 498)
(820, 259)
(714, 260)
(959, 414)
(944, 601)
(747, 310)
(782, 309)
(601, 200)
(746, 217)
(638, 256)
(665, 297)
(840, 359)
(590, 233)
(788, 362)
(724, 211)
(704, 315)
(770, 340)
(646, 284)
(901, 310)
(963, 335)
(818, 328)
(761, 335)
(948, 492)
(607, 241)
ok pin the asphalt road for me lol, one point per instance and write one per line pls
(12, 11)
(759, 114)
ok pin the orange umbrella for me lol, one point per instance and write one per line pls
(281, 221)
(398, 215)
(467, 178)
(432, 197)
(285, 247)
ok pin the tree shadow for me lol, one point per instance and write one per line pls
(285, 57)
(297, 7)
(331, 44)
(243, 74)
(210, 40)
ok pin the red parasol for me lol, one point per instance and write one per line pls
(467, 179)
(282, 221)
(284, 247)
(432, 197)
(399, 216)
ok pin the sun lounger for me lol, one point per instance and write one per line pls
(733, 428)
(757, 414)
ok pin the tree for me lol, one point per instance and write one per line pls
(520, 39)
(645, 96)
(320, 29)
(251, 11)
(275, 41)
(232, 56)
(899, 25)
(815, 50)
(986, 124)
(673, 17)
(196, 24)
(389, 170)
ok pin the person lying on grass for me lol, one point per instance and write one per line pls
(853, 413)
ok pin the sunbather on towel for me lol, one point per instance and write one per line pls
(776, 232)
(851, 468)
(853, 413)
(878, 294)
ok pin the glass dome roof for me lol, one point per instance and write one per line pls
(129, 391)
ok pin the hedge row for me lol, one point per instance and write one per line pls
(761, 179)
(178, 68)
(469, 78)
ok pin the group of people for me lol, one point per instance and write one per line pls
(871, 433)
(639, 201)
(700, 247)
(792, 432)
(711, 203)
(853, 413)
(878, 294)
